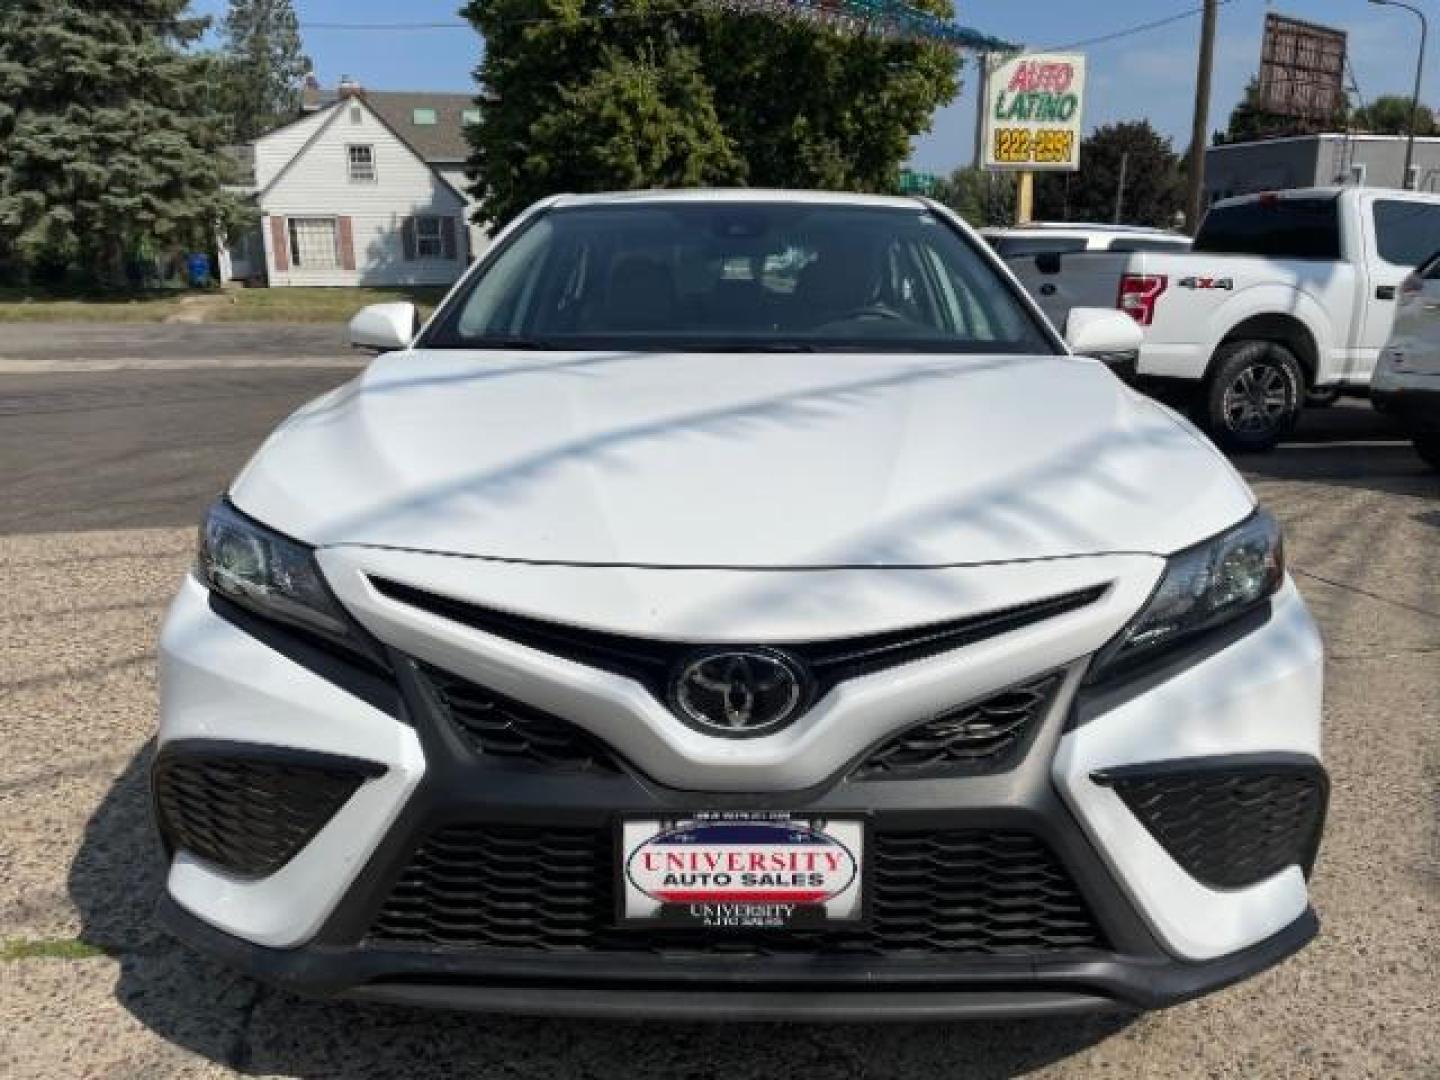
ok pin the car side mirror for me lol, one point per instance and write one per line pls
(384, 328)
(1107, 335)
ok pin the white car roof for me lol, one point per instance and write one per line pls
(741, 195)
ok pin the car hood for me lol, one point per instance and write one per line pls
(751, 460)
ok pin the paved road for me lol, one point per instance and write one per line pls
(104, 475)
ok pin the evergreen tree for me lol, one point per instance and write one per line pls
(583, 95)
(109, 149)
(265, 66)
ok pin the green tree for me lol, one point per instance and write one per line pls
(981, 197)
(265, 64)
(1390, 115)
(1154, 189)
(108, 147)
(704, 96)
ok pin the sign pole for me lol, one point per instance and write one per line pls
(1025, 199)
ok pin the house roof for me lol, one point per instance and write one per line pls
(438, 143)
(442, 141)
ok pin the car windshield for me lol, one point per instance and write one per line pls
(740, 276)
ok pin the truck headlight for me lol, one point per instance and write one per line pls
(1203, 587)
(270, 574)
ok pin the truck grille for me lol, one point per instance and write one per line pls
(496, 887)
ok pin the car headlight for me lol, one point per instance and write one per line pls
(270, 574)
(1203, 587)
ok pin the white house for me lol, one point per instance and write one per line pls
(366, 189)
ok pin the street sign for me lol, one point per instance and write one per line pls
(1034, 104)
(918, 183)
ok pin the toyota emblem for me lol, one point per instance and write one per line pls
(739, 693)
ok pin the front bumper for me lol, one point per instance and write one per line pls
(1414, 402)
(1162, 936)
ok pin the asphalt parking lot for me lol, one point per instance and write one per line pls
(112, 440)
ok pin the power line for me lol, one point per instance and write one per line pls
(1131, 31)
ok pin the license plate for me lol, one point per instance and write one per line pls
(742, 872)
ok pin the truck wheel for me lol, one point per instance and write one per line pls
(1254, 395)
(1428, 447)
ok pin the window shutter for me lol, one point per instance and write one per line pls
(280, 245)
(410, 245)
(447, 237)
(347, 243)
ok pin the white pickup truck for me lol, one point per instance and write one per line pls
(1283, 295)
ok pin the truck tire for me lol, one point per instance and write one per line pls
(1428, 447)
(1254, 395)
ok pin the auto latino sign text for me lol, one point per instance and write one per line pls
(1033, 109)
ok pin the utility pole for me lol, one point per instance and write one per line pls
(1120, 191)
(982, 95)
(1200, 130)
(1406, 181)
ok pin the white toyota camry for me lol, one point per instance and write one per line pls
(740, 604)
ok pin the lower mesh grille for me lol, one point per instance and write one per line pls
(247, 810)
(1228, 826)
(500, 727)
(512, 887)
(982, 737)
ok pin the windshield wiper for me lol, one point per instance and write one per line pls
(753, 347)
(515, 342)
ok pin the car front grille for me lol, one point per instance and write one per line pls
(496, 887)
(248, 809)
(1228, 825)
(653, 662)
(981, 737)
(498, 727)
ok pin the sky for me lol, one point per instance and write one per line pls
(1150, 74)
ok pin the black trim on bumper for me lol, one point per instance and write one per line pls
(1417, 409)
(705, 988)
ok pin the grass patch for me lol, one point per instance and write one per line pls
(48, 949)
(300, 305)
(32, 305)
(316, 305)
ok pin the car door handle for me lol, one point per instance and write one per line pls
(1384, 292)
(1047, 290)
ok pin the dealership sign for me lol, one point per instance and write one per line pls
(1033, 108)
(742, 871)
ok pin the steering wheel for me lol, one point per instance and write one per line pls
(871, 311)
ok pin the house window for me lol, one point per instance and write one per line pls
(470, 116)
(314, 244)
(362, 164)
(425, 118)
(429, 237)
(429, 241)
(356, 115)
